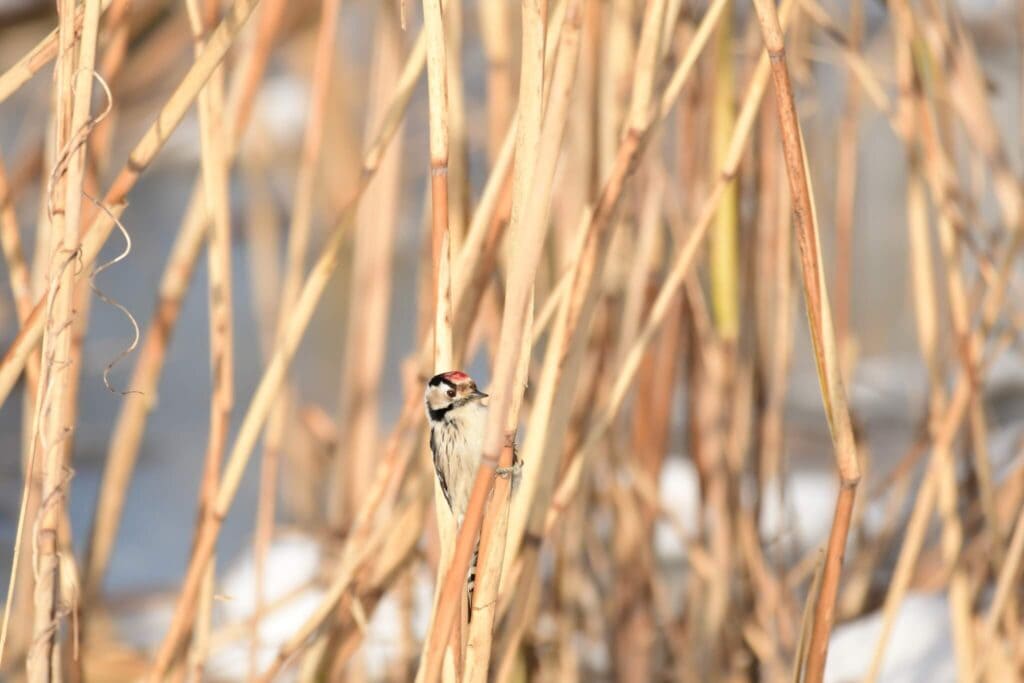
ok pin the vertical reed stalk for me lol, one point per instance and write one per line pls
(126, 437)
(822, 336)
(527, 240)
(73, 92)
(274, 375)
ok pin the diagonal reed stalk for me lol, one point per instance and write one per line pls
(274, 375)
(822, 335)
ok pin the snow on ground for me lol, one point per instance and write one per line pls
(292, 569)
(802, 514)
(920, 647)
(293, 561)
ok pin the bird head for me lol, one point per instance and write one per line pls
(450, 391)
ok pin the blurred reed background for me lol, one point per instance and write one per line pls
(239, 236)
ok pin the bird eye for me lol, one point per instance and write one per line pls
(451, 393)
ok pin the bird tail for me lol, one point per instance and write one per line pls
(471, 578)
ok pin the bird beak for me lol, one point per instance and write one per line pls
(478, 395)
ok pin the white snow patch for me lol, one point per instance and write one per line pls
(382, 644)
(292, 563)
(803, 515)
(920, 647)
(680, 494)
(803, 510)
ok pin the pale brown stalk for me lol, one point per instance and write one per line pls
(371, 277)
(538, 479)
(494, 34)
(542, 155)
(39, 56)
(433, 27)
(95, 235)
(527, 240)
(53, 424)
(822, 336)
(128, 430)
(846, 184)
(213, 161)
(274, 375)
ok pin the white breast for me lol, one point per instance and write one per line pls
(460, 440)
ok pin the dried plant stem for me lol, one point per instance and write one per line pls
(846, 185)
(17, 268)
(215, 191)
(723, 239)
(39, 56)
(822, 335)
(440, 252)
(539, 478)
(537, 204)
(274, 375)
(674, 280)
(52, 421)
(142, 155)
(403, 534)
(943, 432)
(527, 240)
(294, 269)
(433, 26)
(371, 273)
(130, 425)
(497, 46)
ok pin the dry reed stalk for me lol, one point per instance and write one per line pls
(723, 240)
(458, 143)
(1008, 576)
(646, 251)
(93, 237)
(391, 567)
(39, 56)
(950, 226)
(778, 306)
(366, 334)
(274, 375)
(822, 335)
(527, 240)
(99, 147)
(387, 486)
(262, 240)
(21, 592)
(20, 283)
(539, 479)
(615, 79)
(262, 237)
(403, 533)
(492, 536)
(302, 204)
(14, 256)
(214, 171)
(116, 28)
(494, 35)
(540, 414)
(636, 571)
(673, 281)
(846, 185)
(128, 430)
(53, 424)
(943, 432)
(440, 289)
(539, 161)
(559, 421)
(959, 591)
(17, 269)
(433, 28)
